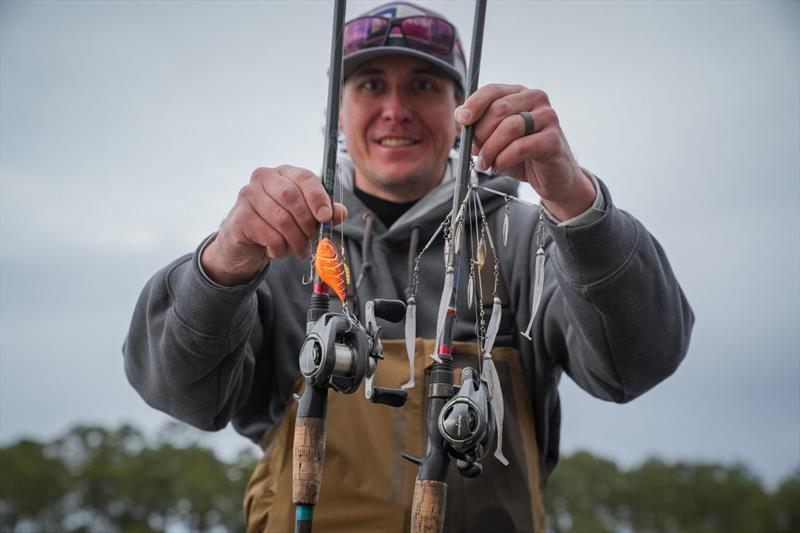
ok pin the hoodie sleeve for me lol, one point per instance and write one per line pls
(613, 315)
(191, 344)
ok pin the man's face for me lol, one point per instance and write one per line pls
(397, 115)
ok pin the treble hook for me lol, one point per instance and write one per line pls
(307, 280)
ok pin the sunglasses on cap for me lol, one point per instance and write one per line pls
(425, 33)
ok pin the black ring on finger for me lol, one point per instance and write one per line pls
(529, 124)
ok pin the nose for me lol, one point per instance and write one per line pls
(396, 107)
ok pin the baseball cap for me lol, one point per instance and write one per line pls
(437, 43)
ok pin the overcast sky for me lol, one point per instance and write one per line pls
(126, 130)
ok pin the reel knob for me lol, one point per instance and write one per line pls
(469, 468)
(390, 397)
(391, 310)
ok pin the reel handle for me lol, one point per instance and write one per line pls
(391, 311)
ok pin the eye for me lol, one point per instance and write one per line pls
(371, 85)
(424, 84)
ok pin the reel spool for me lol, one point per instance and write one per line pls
(339, 352)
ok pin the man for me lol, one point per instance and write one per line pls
(215, 335)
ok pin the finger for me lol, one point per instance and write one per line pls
(280, 220)
(474, 107)
(512, 128)
(313, 191)
(539, 147)
(244, 227)
(261, 233)
(286, 193)
(505, 107)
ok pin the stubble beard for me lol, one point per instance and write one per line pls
(406, 188)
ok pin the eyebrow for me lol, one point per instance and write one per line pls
(430, 71)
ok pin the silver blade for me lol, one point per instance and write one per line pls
(411, 340)
(538, 287)
(470, 291)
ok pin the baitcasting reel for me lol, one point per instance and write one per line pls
(467, 423)
(339, 352)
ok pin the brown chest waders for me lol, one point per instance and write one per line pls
(367, 486)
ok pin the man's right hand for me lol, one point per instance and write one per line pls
(275, 215)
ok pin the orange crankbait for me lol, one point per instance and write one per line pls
(331, 267)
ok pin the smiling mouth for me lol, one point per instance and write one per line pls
(396, 141)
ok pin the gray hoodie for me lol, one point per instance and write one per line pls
(612, 316)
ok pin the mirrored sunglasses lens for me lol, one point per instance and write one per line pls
(363, 33)
(429, 34)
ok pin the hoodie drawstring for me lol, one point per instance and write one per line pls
(366, 246)
(412, 258)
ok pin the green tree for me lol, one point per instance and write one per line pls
(33, 485)
(787, 504)
(581, 492)
(588, 494)
(696, 497)
(96, 479)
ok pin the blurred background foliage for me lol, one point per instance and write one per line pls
(105, 480)
(588, 494)
(94, 479)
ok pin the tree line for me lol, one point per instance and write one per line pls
(95, 479)
(588, 494)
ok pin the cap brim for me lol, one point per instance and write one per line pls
(356, 59)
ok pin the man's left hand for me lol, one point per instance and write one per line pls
(542, 158)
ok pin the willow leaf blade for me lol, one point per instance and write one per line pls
(538, 287)
(411, 339)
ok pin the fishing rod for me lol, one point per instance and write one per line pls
(338, 352)
(308, 453)
(459, 424)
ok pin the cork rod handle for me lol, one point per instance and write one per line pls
(427, 508)
(308, 457)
